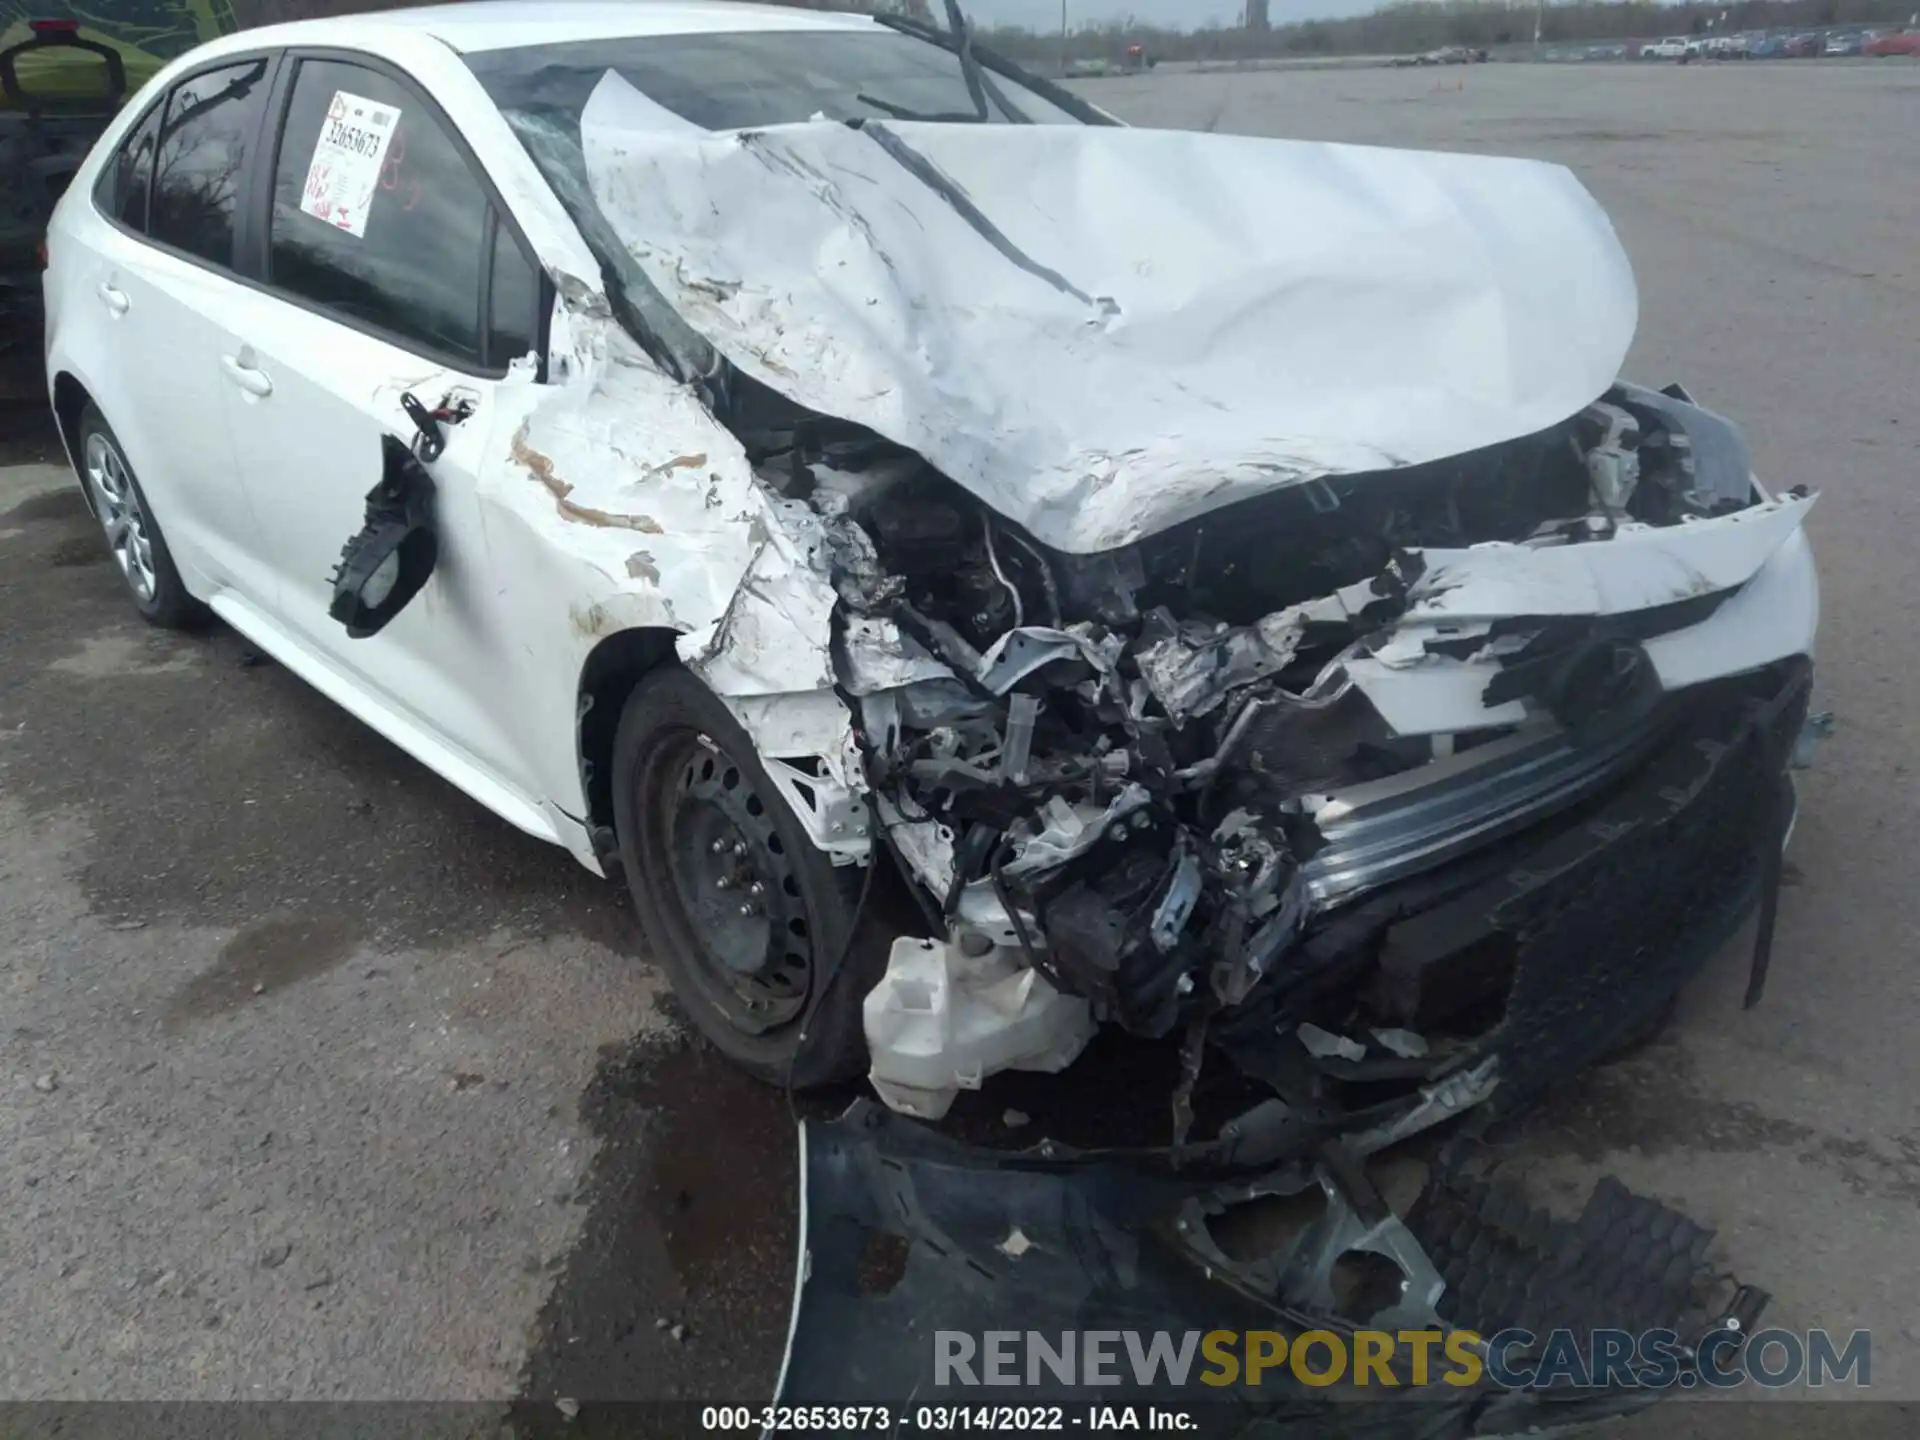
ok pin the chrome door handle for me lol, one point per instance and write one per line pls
(254, 382)
(116, 300)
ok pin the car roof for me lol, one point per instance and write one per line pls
(481, 25)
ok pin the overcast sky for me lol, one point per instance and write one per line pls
(1044, 15)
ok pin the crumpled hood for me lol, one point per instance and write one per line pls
(1102, 332)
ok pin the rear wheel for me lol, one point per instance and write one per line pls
(746, 915)
(132, 534)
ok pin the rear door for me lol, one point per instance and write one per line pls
(157, 259)
(388, 268)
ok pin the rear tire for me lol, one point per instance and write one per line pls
(132, 534)
(745, 914)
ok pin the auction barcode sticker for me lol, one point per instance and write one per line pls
(344, 174)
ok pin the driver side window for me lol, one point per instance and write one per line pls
(379, 219)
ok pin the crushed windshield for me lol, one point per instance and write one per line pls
(745, 80)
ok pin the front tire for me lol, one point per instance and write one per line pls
(132, 534)
(745, 914)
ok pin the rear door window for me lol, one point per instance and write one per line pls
(121, 192)
(380, 218)
(212, 124)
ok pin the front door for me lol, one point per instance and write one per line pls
(389, 272)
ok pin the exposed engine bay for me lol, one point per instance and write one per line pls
(1132, 783)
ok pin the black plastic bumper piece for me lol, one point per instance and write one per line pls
(1557, 946)
(905, 1233)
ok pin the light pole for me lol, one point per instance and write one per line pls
(1063, 39)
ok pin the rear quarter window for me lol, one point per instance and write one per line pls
(121, 191)
(212, 124)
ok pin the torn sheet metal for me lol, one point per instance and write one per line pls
(626, 473)
(1280, 311)
(1640, 567)
(1758, 560)
(1774, 615)
(1020, 652)
(773, 637)
(881, 657)
(1189, 675)
(1070, 830)
(618, 502)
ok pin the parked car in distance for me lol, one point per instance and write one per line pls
(1671, 48)
(1768, 47)
(1899, 42)
(1802, 47)
(1852, 42)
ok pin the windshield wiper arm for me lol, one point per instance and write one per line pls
(969, 66)
(980, 86)
(1048, 90)
(1007, 108)
(901, 112)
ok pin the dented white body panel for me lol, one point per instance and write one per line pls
(1760, 552)
(1222, 315)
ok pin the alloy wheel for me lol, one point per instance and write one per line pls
(121, 515)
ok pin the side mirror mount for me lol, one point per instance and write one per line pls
(384, 566)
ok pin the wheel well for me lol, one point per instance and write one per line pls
(612, 670)
(69, 399)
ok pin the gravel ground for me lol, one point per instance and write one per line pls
(320, 1082)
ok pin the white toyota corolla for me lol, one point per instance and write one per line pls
(1227, 577)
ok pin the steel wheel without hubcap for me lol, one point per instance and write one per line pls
(121, 516)
(752, 954)
(751, 921)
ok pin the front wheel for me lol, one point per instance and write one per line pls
(749, 919)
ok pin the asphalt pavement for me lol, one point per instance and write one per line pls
(317, 1081)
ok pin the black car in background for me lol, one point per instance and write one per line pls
(65, 71)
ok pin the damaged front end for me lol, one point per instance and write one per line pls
(1378, 693)
(1383, 694)
(1270, 629)
(1158, 788)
